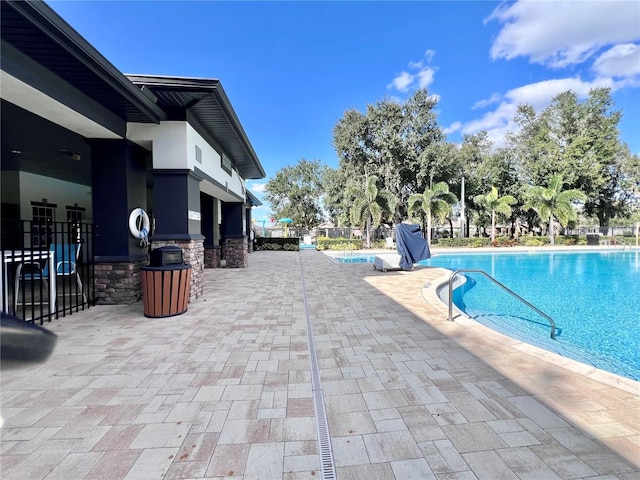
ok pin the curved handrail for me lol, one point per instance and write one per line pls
(506, 289)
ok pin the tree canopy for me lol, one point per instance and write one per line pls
(580, 141)
(553, 202)
(435, 202)
(496, 205)
(296, 192)
(571, 146)
(369, 204)
(393, 141)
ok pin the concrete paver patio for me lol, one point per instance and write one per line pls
(225, 390)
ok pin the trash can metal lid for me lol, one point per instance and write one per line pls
(169, 255)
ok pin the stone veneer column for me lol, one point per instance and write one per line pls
(212, 257)
(118, 283)
(235, 251)
(193, 254)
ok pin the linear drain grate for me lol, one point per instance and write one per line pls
(324, 440)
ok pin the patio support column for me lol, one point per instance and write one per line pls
(118, 171)
(208, 207)
(249, 227)
(234, 250)
(177, 219)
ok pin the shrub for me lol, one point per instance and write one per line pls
(463, 242)
(324, 243)
(289, 244)
(569, 240)
(532, 241)
(504, 242)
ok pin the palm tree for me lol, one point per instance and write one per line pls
(552, 202)
(501, 205)
(369, 205)
(435, 202)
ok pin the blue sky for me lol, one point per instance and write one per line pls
(291, 69)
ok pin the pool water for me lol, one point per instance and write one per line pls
(356, 259)
(593, 297)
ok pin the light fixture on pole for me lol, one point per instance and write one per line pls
(463, 223)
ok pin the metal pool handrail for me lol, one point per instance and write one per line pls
(506, 289)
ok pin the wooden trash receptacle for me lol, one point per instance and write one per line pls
(165, 290)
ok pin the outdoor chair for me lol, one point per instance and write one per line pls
(65, 259)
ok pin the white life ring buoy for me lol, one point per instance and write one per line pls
(139, 224)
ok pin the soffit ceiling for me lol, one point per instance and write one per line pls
(37, 31)
(208, 104)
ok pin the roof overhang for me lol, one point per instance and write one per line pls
(253, 200)
(32, 33)
(203, 103)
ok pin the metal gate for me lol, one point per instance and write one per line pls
(47, 269)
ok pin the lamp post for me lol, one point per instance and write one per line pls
(463, 223)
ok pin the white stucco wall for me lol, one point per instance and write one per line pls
(33, 188)
(211, 162)
(174, 146)
(170, 145)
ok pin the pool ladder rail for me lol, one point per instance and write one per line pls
(506, 289)
(346, 253)
(623, 243)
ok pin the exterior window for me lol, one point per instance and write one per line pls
(43, 218)
(74, 220)
(227, 164)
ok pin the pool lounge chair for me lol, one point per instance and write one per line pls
(387, 261)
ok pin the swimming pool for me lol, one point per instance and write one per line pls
(593, 297)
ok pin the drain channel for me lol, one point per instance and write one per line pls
(324, 441)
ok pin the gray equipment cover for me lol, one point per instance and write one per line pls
(411, 245)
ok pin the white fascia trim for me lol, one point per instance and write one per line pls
(25, 96)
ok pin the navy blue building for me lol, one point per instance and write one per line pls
(85, 145)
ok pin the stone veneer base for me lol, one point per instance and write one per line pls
(212, 257)
(235, 252)
(118, 283)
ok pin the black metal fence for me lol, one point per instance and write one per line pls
(47, 269)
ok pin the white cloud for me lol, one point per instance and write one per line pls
(562, 33)
(402, 82)
(423, 76)
(539, 95)
(256, 187)
(454, 127)
(495, 98)
(429, 54)
(619, 61)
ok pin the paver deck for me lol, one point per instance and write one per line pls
(225, 390)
